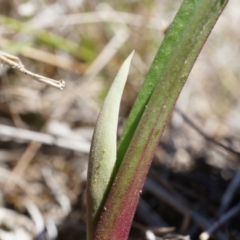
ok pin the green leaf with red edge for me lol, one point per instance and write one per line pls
(167, 75)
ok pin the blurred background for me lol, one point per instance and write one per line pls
(192, 191)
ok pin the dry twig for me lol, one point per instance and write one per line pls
(15, 62)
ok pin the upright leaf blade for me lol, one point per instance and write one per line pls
(167, 51)
(103, 149)
(150, 116)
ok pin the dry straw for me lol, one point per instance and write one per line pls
(15, 62)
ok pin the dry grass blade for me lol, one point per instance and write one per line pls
(15, 62)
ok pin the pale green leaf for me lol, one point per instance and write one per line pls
(104, 146)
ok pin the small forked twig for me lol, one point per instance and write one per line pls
(15, 62)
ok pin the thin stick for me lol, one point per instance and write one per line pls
(15, 62)
(208, 138)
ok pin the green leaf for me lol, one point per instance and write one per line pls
(103, 149)
(165, 80)
(181, 45)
